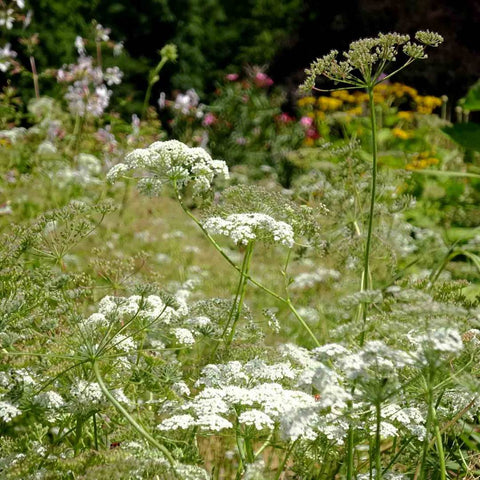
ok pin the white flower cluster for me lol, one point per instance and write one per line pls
(171, 161)
(8, 411)
(252, 393)
(86, 171)
(410, 418)
(242, 228)
(149, 308)
(431, 345)
(6, 56)
(374, 360)
(167, 318)
(87, 393)
(309, 280)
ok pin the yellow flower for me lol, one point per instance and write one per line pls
(305, 101)
(343, 95)
(329, 103)
(408, 116)
(402, 134)
(361, 97)
(355, 111)
(427, 104)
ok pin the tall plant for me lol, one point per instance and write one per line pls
(367, 63)
(364, 65)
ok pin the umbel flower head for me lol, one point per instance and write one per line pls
(367, 59)
(170, 162)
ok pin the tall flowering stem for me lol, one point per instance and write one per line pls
(364, 65)
(167, 53)
(240, 295)
(130, 419)
(365, 285)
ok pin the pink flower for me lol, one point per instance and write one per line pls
(232, 77)
(284, 118)
(262, 80)
(209, 119)
(306, 121)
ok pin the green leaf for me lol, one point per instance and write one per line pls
(467, 135)
(472, 98)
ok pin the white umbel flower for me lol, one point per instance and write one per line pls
(242, 228)
(171, 161)
(8, 411)
(256, 418)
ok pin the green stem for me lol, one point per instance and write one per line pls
(151, 82)
(428, 425)
(350, 445)
(377, 453)
(95, 431)
(78, 435)
(130, 419)
(303, 322)
(441, 452)
(366, 273)
(99, 54)
(35, 77)
(281, 467)
(264, 446)
(242, 289)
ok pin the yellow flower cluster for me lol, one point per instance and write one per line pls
(422, 160)
(427, 104)
(329, 104)
(405, 115)
(306, 101)
(401, 134)
(354, 102)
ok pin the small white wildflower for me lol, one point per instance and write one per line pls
(51, 400)
(184, 336)
(124, 343)
(213, 422)
(181, 388)
(87, 393)
(113, 76)
(256, 418)
(8, 411)
(119, 395)
(80, 45)
(242, 228)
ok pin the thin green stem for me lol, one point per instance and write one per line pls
(281, 467)
(366, 272)
(153, 79)
(240, 293)
(428, 425)
(130, 419)
(378, 452)
(35, 77)
(264, 446)
(303, 322)
(95, 431)
(350, 445)
(441, 452)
